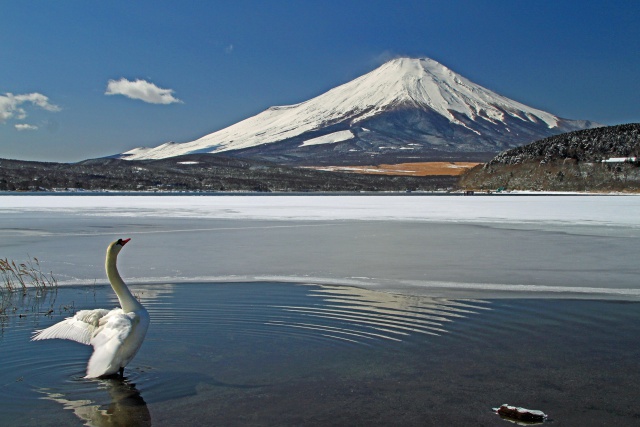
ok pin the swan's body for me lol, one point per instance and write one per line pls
(116, 335)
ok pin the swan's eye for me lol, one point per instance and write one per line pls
(119, 242)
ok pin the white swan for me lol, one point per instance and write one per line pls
(115, 335)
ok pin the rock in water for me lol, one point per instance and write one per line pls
(521, 414)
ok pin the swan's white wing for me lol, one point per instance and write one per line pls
(107, 340)
(78, 328)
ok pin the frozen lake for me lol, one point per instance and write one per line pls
(321, 310)
(482, 246)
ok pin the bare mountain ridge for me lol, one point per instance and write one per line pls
(406, 110)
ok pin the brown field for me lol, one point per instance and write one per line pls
(411, 169)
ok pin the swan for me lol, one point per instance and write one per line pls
(116, 335)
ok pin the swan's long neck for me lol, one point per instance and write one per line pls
(127, 301)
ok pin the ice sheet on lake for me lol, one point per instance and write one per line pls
(589, 210)
(449, 246)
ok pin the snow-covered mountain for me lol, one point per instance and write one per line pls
(405, 109)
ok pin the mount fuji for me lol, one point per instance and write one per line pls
(405, 110)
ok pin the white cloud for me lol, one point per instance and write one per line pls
(11, 106)
(142, 90)
(228, 49)
(25, 126)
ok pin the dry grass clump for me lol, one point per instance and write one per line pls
(21, 276)
(18, 278)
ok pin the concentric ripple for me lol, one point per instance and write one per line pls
(334, 315)
(200, 320)
(197, 332)
(363, 316)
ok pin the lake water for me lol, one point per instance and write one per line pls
(287, 354)
(292, 311)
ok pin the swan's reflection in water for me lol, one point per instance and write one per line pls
(126, 406)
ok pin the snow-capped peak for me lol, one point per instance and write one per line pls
(429, 84)
(423, 83)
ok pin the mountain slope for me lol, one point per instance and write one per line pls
(406, 107)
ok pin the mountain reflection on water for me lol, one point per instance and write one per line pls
(362, 315)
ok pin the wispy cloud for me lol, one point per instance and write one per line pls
(12, 106)
(228, 49)
(25, 126)
(142, 90)
(385, 56)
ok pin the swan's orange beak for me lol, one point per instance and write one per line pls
(124, 241)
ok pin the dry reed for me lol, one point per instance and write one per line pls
(21, 276)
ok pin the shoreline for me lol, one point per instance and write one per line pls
(477, 192)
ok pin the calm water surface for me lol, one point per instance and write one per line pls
(287, 354)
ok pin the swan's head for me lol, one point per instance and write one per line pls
(115, 247)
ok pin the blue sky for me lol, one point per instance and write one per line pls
(86, 79)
